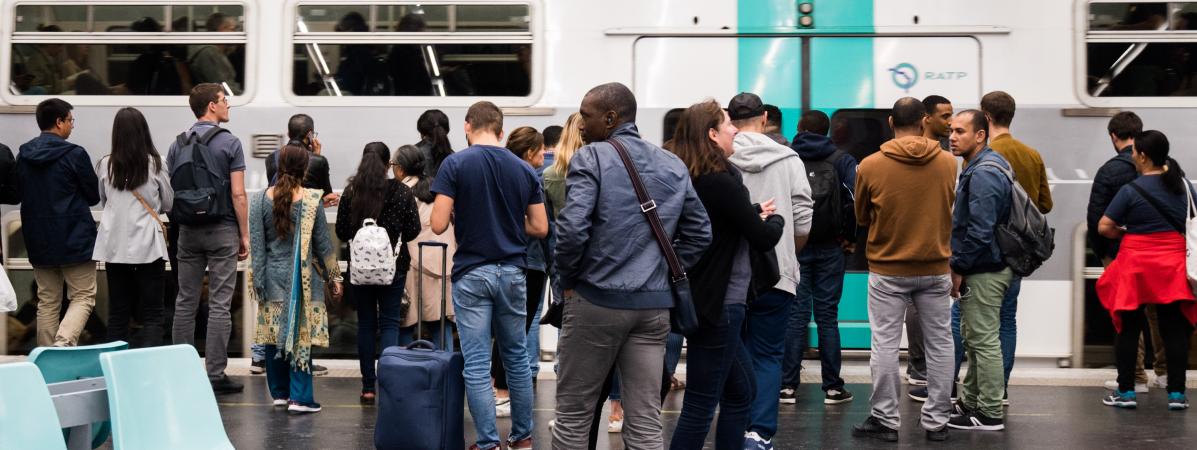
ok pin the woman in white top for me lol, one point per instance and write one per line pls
(135, 193)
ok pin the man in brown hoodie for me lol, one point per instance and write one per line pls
(904, 195)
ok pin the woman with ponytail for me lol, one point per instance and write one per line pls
(369, 194)
(433, 126)
(292, 260)
(1148, 215)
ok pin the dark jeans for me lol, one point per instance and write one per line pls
(285, 382)
(766, 342)
(720, 375)
(140, 286)
(1176, 331)
(820, 288)
(379, 311)
(536, 284)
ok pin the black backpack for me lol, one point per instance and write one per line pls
(202, 195)
(827, 222)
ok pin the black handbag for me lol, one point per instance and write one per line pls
(683, 318)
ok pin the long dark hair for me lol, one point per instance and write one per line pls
(367, 188)
(691, 141)
(433, 126)
(292, 165)
(1154, 145)
(412, 161)
(132, 149)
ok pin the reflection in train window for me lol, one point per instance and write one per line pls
(1143, 16)
(50, 57)
(860, 132)
(413, 70)
(1141, 69)
(413, 18)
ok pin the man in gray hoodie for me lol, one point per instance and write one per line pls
(770, 171)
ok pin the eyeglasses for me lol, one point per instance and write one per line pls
(314, 134)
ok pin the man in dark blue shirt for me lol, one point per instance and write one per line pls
(495, 200)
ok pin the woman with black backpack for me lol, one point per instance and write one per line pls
(1149, 215)
(371, 196)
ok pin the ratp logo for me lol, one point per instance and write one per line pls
(904, 75)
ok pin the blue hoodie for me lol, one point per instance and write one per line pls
(816, 147)
(58, 184)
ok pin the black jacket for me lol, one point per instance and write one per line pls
(733, 218)
(10, 193)
(1110, 178)
(58, 184)
(315, 178)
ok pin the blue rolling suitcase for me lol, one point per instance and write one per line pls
(421, 398)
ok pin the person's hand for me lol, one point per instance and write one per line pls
(767, 208)
(332, 199)
(848, 246)
(957, 281)
(243, 249)
(337, 291)
(316, 146)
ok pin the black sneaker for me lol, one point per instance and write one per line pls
(257, 367)
(225, 385)
(872, 428)
(319, 370)
(976, 421)
(787, 396)
(958, 409)
(939, 435)
(837, 396)
(918, 394)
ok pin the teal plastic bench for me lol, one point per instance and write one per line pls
(27, 416)
(59, 364)
(160, 398)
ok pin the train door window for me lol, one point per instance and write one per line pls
(406, 49)
(117, 49)
(1137, 53)
(860, 133)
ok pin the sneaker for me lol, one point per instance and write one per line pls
(754, 441)
(1139, 387)
(502, 407)
(319, 370)
(522, 444)
(1121, 399)
(1160, 382)
(939, 435)
(299, 408)
(1006, 399)
(958, 409)
(837, 396)
(615, 425)
(1177, 401)
(257, 367)
(278, 402)
(913, 381)
(976, 421)
(788, 396)
(918, 394)
(225, 385)
(872, 428)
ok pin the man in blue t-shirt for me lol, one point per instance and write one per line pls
(501, 202)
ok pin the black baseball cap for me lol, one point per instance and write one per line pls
(745, 105)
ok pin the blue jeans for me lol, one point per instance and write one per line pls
(257, 352)
(1008, 334)
(379, 313)
(820, 288)
(673, 352)
(286, 383)
(492, 298)
(767, 319)
(720, 374)
(534, 341)
(439, 337)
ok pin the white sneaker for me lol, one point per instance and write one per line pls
(1158, 382)
(296, 408)
(754, 441)
(502, 407)
(1140, 388)
(280, 402)
(615, 426)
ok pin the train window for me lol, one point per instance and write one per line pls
(406, 49)
(94, 50)
(1138, 50)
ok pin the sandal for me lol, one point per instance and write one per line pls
(367, 398)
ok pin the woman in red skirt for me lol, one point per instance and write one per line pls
(1148, 214)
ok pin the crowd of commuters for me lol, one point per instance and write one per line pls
(761, 224)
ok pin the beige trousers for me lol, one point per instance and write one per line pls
(80, 280)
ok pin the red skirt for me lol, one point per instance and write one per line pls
(1149, 270)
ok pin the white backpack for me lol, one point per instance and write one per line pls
(371, 258)
(1191, 239)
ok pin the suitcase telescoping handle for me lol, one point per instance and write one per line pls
(445, 345)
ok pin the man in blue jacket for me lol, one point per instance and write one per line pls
(979, 276)
(58, 184)
(616, 280)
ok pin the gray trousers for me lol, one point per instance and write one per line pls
(889, 298)
(212, 248)
(593, 339)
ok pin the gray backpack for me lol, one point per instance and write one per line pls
(1026, 240)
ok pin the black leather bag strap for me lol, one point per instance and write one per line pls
(649, 208)
(1159, 208)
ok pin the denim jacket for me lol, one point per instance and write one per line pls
(983, 196)
(605, 248)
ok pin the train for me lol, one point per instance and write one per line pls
(366, 69)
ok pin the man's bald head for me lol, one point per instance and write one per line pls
(907, 114)
(615, 97)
